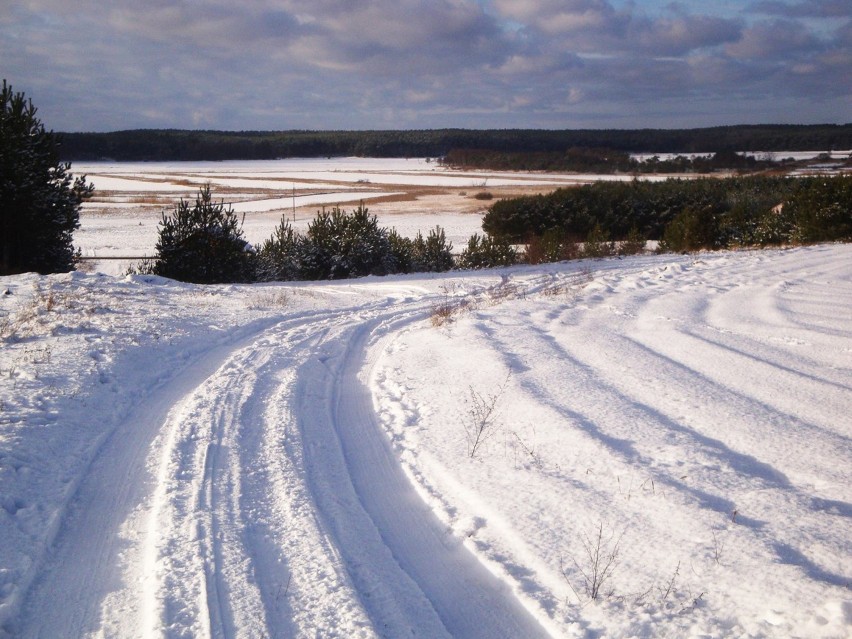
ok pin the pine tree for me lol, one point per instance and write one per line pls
(485, 251)
(402, 252)
(366, 249)
(598, 244)
(280, 256)
(39, 198)
(203, 244)
(433, 254)
(340, 246)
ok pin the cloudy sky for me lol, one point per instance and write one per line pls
(90, 65)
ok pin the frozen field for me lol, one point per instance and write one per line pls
(327, 460)
(409, 195)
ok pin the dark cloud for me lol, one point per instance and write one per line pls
(809, 9)
(267, 64)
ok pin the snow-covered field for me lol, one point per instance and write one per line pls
(298, 460)
(411, 195)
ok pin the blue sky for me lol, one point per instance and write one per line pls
(356, 64)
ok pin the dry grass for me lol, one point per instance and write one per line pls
(570, 287)
(450, 305)
(32, 318)
(157, 200)
(268, 300)
(453, 303)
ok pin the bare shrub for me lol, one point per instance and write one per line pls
(26, 320)
(571, 286)
(505, 290)
(480, 424)
(718, 548)
(552, 246)
(670, 587)
(7, 328)
(448, 305)
(598, 563)
(442, 312)
(598, 244)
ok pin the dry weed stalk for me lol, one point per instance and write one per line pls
(601, 558)
(480, 424)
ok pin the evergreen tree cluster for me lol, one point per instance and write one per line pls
(39, 198)
(683, 215)
(486, 251)
(205, 244)
(339, 245)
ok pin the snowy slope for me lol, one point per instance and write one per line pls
(299, 459)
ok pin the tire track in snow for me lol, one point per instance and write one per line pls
(412, 575)
(100, 527)
(270, 504)
(212, 576)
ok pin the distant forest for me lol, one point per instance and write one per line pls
(168, 144)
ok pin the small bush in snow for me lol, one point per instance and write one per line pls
(691, 230)
(280, 257)
(432, 254)
(599, 560)
(448, 305)
(481, 424)
(551, 246)
(598, 244)
(485, 251)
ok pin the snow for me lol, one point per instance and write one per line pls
(772, 155)
(284, 203)
(297, 459)
(283, 173)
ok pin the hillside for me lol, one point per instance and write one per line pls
(437, 456)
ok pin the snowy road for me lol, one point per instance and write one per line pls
(271, 504)
(294, 460)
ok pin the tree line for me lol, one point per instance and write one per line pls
(169, 144)
(204, 243)
(683, 215)
(607, 161)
